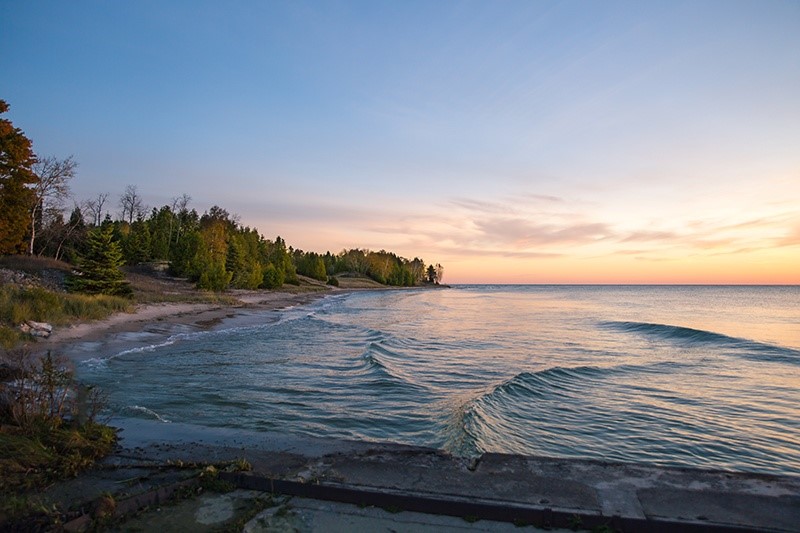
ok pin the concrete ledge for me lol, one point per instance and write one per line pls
(544, 492)
(543, 517)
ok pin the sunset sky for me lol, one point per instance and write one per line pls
(530, 142)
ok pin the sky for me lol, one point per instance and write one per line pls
(512, 142)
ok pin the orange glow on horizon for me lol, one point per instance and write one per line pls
(763, 269)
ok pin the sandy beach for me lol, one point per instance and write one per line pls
(162, 319)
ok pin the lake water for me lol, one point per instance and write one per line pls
(684, 376)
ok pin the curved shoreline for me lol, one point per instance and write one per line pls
(163, 319)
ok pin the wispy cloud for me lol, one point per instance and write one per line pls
(523, 233)
(544, 198)
(792, 238)
(648, 236)
(513, 227)
(481, 206)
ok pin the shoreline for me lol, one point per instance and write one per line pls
(164, 319)
(158, 321)
(509, 487)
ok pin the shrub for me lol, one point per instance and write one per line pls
(48, 426)
(214, 278)
(43, 392)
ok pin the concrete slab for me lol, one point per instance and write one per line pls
(307, 515)
(205, 513)
(511, 478)
(750, 510)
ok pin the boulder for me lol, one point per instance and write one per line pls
(36, 329)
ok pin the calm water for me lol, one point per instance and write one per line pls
(693, 376)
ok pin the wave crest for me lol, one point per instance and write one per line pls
(690, 336)
(149, 413)
(378, 360)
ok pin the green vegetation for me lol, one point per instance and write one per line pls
(48, 431)
(19, 304)
(216, 253)
(99, 266)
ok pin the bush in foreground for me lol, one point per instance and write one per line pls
(48, 429)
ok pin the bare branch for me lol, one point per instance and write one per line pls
(95, 207)
(131, 204)
(51, 189)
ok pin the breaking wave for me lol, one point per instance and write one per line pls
(698, 337)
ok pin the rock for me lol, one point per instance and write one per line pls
(36, 329)
(41, 326)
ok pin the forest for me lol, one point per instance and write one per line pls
(39, 216)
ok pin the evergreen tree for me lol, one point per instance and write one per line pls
(73, 242)
(235, 261)
(182, 254)
(136, 246)
(272, 277)
(318, 271)
(431, 274)
(160, 225)
(99, 267)
(214, 277)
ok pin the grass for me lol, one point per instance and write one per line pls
(18, 304)
(351, 281)
(32, 459)
(151, 287)
(33, 265)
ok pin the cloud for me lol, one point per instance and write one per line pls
(645, 236)
(481, 206)
(544, 198)
(523, 233)
(792, 238)
(526, 227)
(495, 252)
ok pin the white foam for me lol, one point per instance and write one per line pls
(147, 411)
(288, 314)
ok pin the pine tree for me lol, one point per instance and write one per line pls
(99, 267)
(431, 274)
(137, 244)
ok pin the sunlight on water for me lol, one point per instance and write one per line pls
(693, 376)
